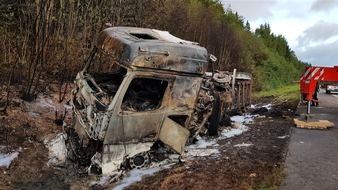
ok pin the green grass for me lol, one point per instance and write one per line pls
(291, 92)
(272, 180)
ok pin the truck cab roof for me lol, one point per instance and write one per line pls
(139, 48)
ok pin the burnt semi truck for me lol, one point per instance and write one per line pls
(143, 93)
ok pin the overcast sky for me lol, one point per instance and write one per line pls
(310, 26)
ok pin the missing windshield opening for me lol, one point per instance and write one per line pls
(144, 94)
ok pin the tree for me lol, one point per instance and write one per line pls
(43, 42)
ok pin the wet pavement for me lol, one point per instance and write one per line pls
(312, 160)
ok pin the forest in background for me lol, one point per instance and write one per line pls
(47, 41)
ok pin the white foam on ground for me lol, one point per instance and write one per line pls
(234, 132)
(136, 175)
(47, 103)
(7, 158)
(203, 143)
(245, 118)
(239, 122)
(268, 106)
(57, 149)
(283, 137)
(203, 147)
(208, 147)
(243, 145)
(257, 116)
(43, 105)
(201, 152)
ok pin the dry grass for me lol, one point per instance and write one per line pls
(272, 180)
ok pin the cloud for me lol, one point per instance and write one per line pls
(310, 26)
(323, 5)
(320, 55)
(296, 9)
(249, 9)
(319, 32)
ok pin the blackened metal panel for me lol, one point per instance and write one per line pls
(174, 135)
(184, 93)
(156, 54)
(141, 126)
(136, 126)
(171, 63)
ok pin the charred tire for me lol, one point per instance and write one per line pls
(140, 160)
(226, 121)
(215, 116)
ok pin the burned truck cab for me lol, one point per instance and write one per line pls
(138, 87)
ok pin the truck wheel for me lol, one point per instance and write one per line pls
(328, 92)
(215, 116)
(226, 121)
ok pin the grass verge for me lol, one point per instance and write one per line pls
(272, 180)
(285, 93)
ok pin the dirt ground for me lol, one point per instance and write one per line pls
(244, 167)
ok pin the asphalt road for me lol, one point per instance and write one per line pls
(312, 160)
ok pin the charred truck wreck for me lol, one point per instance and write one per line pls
(143, 93)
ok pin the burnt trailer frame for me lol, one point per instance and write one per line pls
(137, 57)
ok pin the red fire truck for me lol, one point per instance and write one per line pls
(314, 76)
